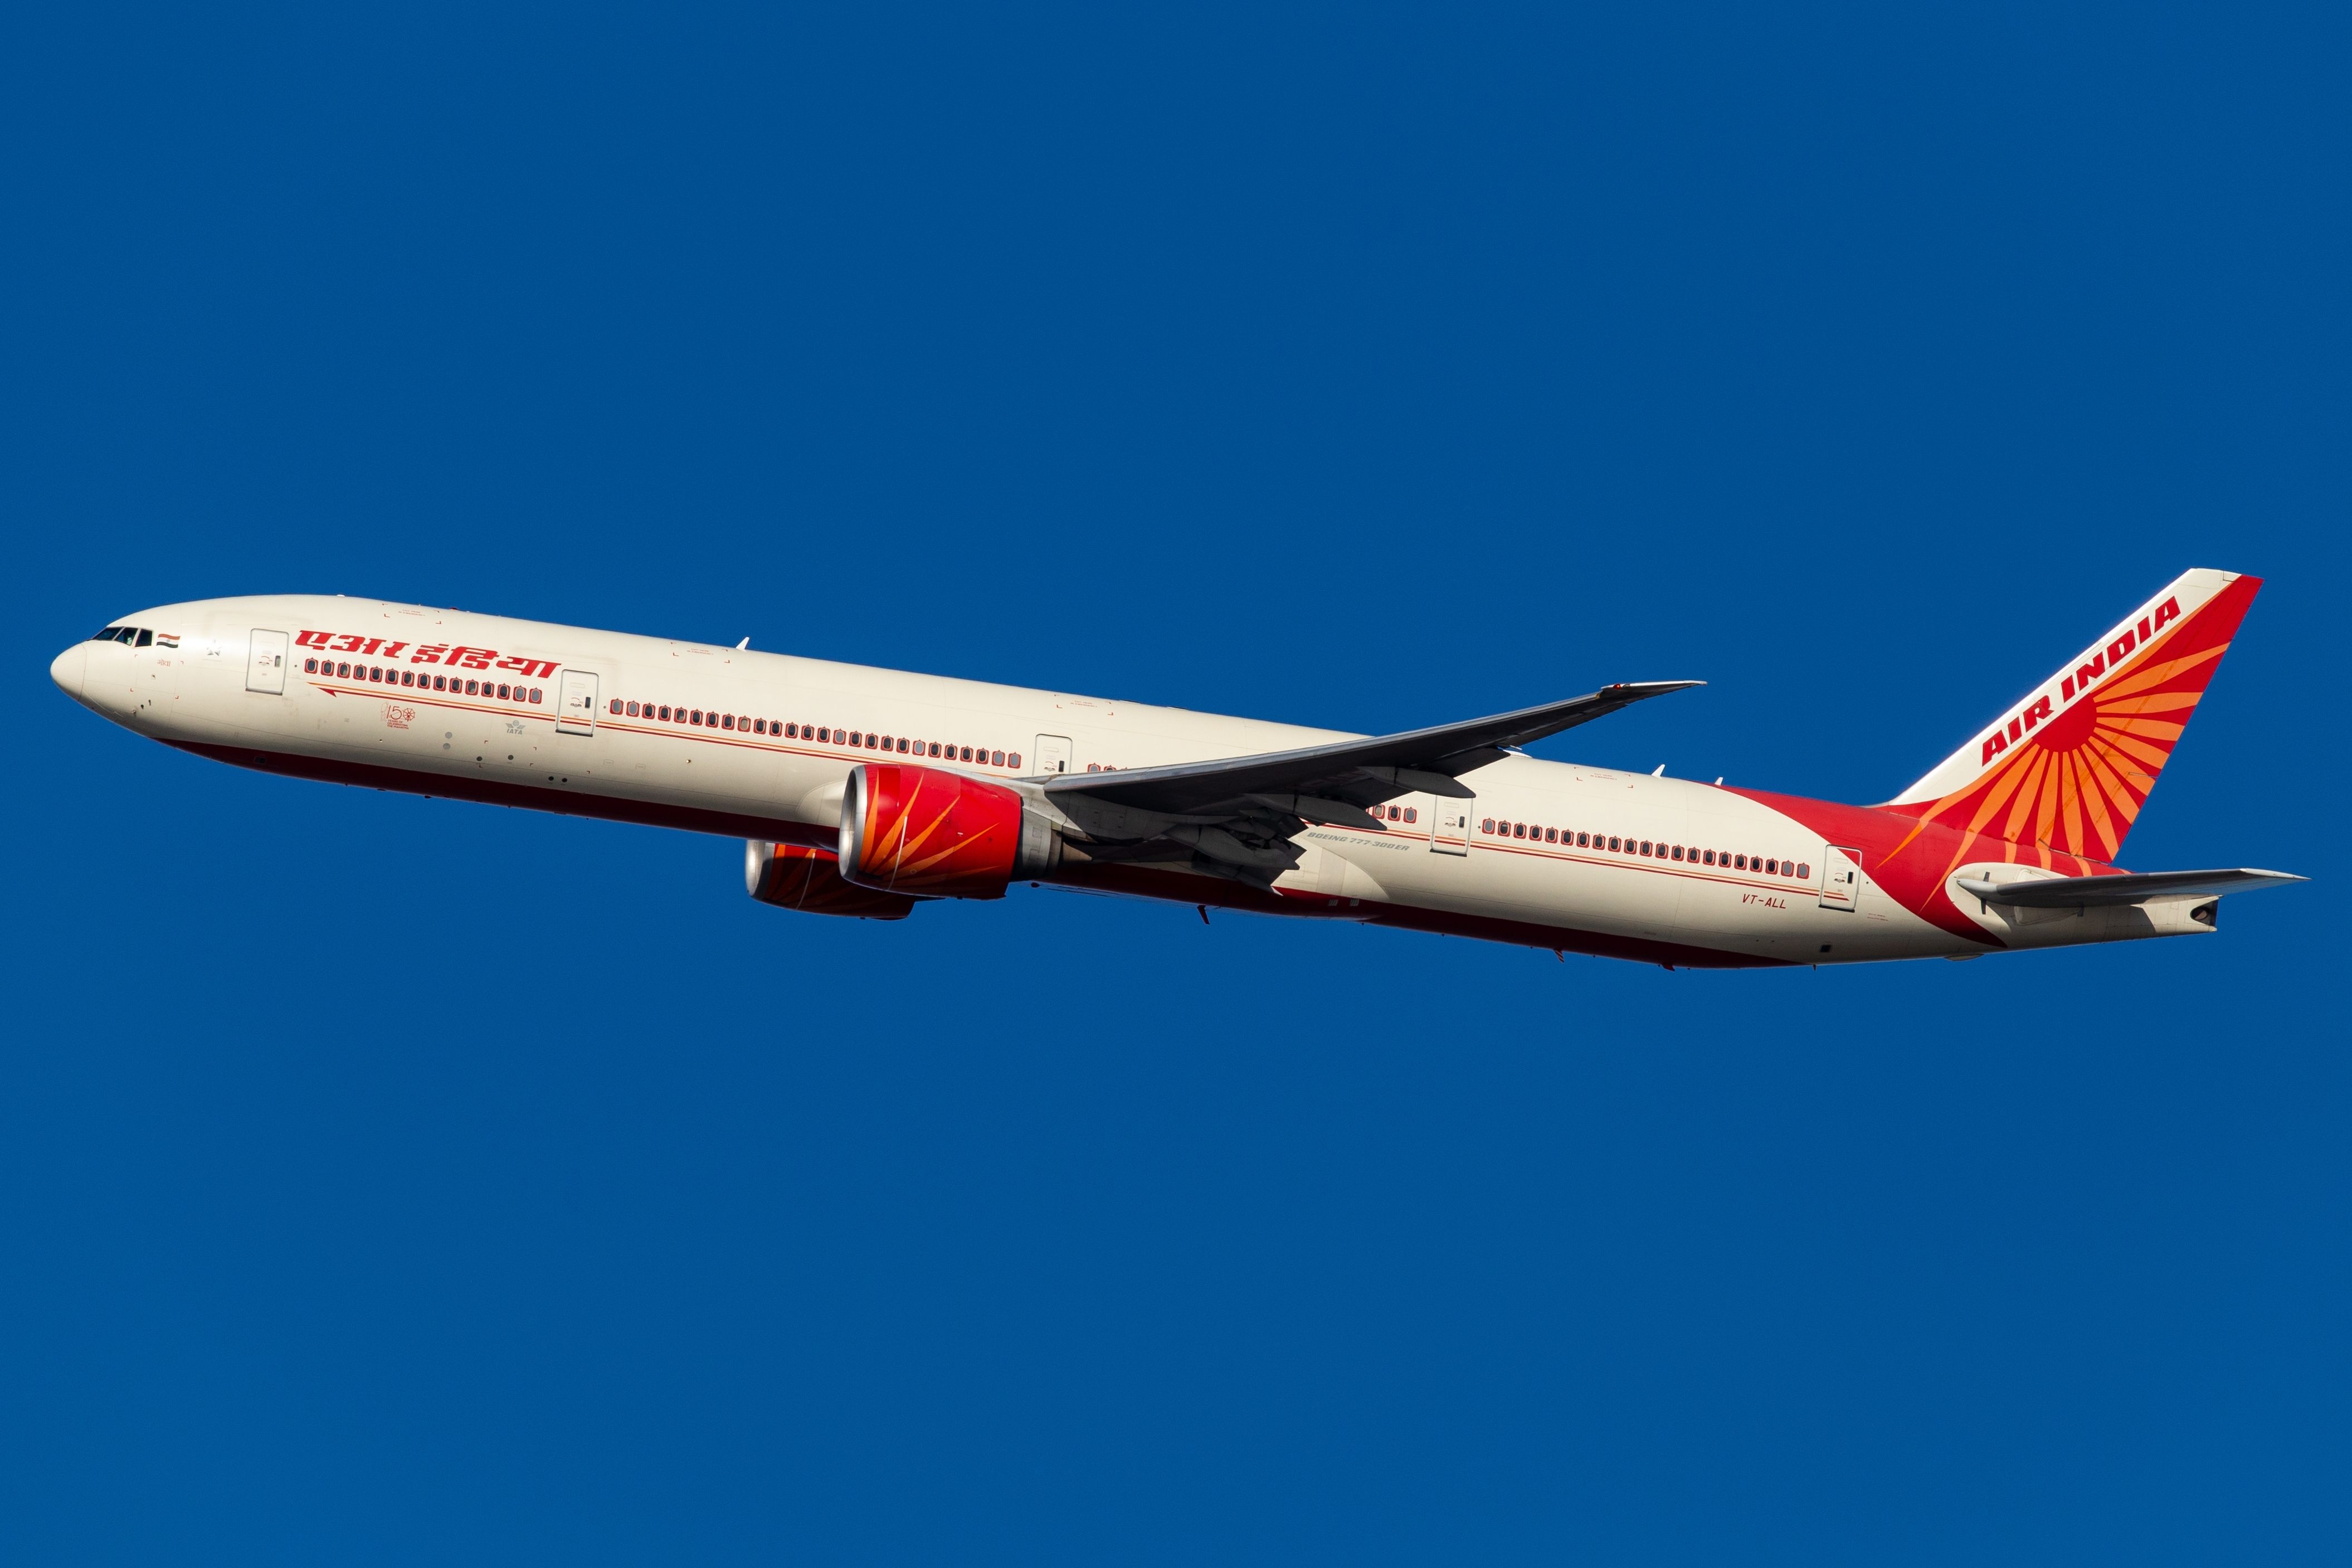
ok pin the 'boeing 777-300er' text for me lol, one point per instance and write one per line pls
(865, 792)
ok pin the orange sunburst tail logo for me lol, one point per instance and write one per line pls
(2063, 773)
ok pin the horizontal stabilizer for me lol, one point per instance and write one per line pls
(2071, 893)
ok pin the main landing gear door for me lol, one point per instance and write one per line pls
(575, 712)
(1840, 877)
(1451, 835)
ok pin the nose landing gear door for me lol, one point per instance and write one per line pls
(575, 712)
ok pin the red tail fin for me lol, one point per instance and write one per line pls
(2067, 768)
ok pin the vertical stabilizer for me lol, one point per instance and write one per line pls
(2067, 767)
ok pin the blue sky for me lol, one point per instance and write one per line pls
(1353, 366)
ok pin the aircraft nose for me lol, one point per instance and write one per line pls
(66, 669)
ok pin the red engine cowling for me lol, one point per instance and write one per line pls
(792, 877)
(923, 830)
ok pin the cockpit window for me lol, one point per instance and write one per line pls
(107, 636)
(146, 638)
(124, 634)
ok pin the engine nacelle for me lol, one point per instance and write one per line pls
(810, 881)
(937, 833)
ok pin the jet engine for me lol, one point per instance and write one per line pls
(793, 878)
(938, 834)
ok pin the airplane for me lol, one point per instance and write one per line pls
(863, 793)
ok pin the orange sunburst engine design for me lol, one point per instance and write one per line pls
(924, 830)
(793, 877)
(2064, 783)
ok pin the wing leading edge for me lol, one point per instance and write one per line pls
(1358, 773)
(1238, 817)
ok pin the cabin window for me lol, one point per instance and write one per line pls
(997, 759)
(534, 694)
(1412, 813)
(1012, 759)
(967, 755)
(1804, 870)
(792, 731)
(506, 692)
(310, 666)
(935, 748)
(1487, 826)
(633, 709)
(1551, 835)
(1612, 843)
(1771, 868)
(1677, 852)
(1739, 862)
(727, 721)
(408, 677)
(616, 706)
(758, 726)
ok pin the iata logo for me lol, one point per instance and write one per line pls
(456, 657)
(2106, 662)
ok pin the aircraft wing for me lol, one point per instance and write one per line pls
(2071, 893)
(1360, 771)
(1235, 816)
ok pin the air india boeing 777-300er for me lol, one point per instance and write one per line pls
(865, 792)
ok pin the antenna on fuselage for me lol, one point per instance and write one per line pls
(742, 646)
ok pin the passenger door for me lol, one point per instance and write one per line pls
(575, 712)
(1840, 877)
(1449, 832)
(265, 663)
(1053, 754)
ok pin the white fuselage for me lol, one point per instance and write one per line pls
(388, 724)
